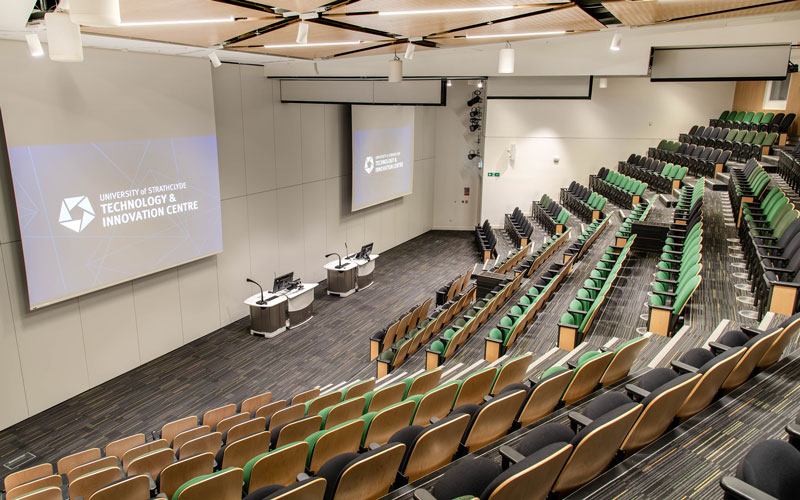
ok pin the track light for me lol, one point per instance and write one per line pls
(449, 83)
(603, 83)
(616, 42)
(473, 154)
(409, 51)
(63, 37)
(395, 70)
(96, 13)
(480, 84)
(505, 62)
(34, 44)
(214, 59)
(476, 98)
(302, 33)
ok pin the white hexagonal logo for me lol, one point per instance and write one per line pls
(76, 220)
(369, 164)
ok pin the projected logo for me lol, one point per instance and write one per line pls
(369, 164)
(76, 213)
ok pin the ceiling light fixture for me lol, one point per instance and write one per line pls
(34, 44)
(300, 46)
(511, 35)
(616, 42)
(214, 59)
(603, 83)
(96, 13)
(302, 33)
(395, 70)
(409, 51)
(505, 61)
(177, 21)
(449, 83)
(445, 11)
(480, 84)
(63, 37)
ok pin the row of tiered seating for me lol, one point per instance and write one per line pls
(555, 459)
(551, 216)
(534, 260)
(510, 262)
(445, 346)
(661, 176)
(769, 122)
(701, 161)
(789, 167)
(408, 344)
(486, 240)
(518, 228)
(743, 144)
(513, 324)
(585, 241)
(638, 214)
(623, 190)
(678, 274)
(580, 200)
(385, 338)
(575, 324)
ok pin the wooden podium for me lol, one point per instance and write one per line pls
(341, 279)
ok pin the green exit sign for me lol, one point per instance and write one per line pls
(495, 174)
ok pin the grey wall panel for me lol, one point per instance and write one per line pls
(158, 314)
(720, 63)
(321, 90)
(12, 387)
(259, 130)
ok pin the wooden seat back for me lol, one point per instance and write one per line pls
(475, 387)
(312, 489)
(268, 409)
(140, 450)
(436, 403)
(172, 429)
(512, 372)
(133, 488)
(747, 363)
(775, 351)
(586, 378)
(228, 422)
(210, 443)
(658, 415)
(224, 485)
(246, 428)
(27, 475)
(287, 414)
(174, 475)
(344, 439)
(188, 435)
(212, 417)
(534, 481)
(305, 396)
(252, 404)
(344, 412)
(390, 336)
(298, 430)
(402, 354)
(389, 421)
(48, 493)
(100, 463)
(544, 398)
(85, 485)
(321, 402)
(709, 384)
(622, 362)
(51, 481)
(238, 453)
(359, 389)
(387, 396)
(494, 420)
(595, 451)
(120, 446)
(424, 382)
(435, 447)
(66, 464)
(371, 477)
(279, 467)
(151, 463)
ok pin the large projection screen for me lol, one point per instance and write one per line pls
(744, 62)
(114, 172)
(383, 154)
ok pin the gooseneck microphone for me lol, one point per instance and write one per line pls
(340, 259)
(346, 251)
(262, 301)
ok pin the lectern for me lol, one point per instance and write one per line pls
(268, 319)
(341, 279)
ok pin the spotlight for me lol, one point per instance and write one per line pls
(63, 38)
(475, 99)
(473, 154)
(449, 83)
(96, 13)
(395, 70)
(480, 84)
(505, 62)
(302, 33)
(603, 83)
(34, 44)
(475, 125)
(214, 59)
(475, 113)
(616, 42)
(409, 51)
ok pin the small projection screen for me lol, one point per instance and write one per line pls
(383, 154)
(727, 63)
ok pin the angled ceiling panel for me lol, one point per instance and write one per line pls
(644, 13)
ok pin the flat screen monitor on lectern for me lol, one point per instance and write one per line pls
(365, 251)
(282, 282)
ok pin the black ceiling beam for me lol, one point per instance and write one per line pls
(326, 20)
(512, 18)
(258, 31)
(247, 4)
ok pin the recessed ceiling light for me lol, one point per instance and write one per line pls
(445, 11)
(300, 46)
(514, 35)
(178, 21)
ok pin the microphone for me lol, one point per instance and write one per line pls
(262, 301)
(346, 251)
(340, 259)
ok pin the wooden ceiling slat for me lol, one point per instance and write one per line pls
(402, 5)
(644, 13)
(294, 5)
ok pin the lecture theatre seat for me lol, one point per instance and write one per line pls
(366, 476)
(429, 448)
(769, 471)
(307, 489)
